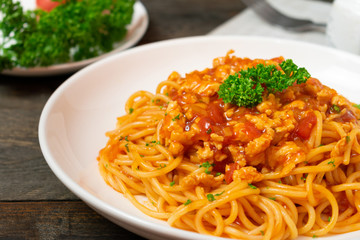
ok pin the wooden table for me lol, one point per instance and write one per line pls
(34, 204)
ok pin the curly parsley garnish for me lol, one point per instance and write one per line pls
(357, 106)
(73, 31)
(246, 87)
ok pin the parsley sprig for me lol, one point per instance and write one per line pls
(73, 31)
(246, 87)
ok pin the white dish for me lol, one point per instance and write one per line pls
(136, 30)
(83, 108)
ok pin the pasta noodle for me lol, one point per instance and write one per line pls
(287, 167)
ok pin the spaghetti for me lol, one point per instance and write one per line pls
(286, 167)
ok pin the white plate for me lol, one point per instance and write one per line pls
(74, 121)
(136, 30)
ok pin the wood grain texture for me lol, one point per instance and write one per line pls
(182, 18)
(24, 174)
(56, 220)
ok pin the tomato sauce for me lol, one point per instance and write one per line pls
(287, 116)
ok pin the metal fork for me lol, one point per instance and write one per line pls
(263, 9)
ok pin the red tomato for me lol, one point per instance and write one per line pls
(216, 113)
(47, 5)
(204, 124)
(230, 172)
(251, 131)
(305, 126)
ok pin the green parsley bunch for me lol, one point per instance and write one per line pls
(73, 31)
(246, 87)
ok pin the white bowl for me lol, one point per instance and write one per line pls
(83, 108)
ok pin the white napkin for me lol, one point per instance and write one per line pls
(248, 23)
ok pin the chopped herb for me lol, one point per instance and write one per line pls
(142, 155)
(304, 177)
(206, 165)
(126, 138)
(357, 106)
(127, 147)
(280, 182)
(329, 219)
(272, 198)
(177, 117)
(218, 174)
(347, 139)
(218, 194)
(161, 107)
(332, 162)
(131, 110)
(321, 145)
(172, 183)
(167, 94)
(121, 138)
(314, 236)
(306, 162)
(106, 165)
(156, 142)
(252, 186)
(209, 131)
(152, 100)
(147, 144)
(161, 166)
(187, 202)
(166, 114)
(335, 108)
(210, 197)
(262, 232)
(157, 100)
(246, 87)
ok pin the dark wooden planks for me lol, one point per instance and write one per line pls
(24, 174)
(182, 18)
(56, 220)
